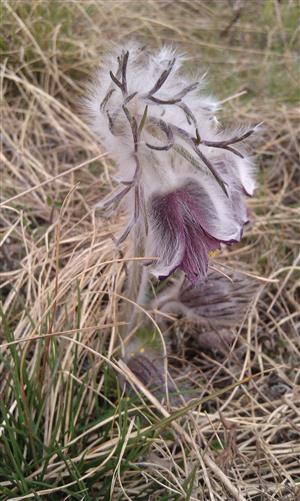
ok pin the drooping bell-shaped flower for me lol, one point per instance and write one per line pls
(209, 312)
(183, 179)
(186, 226)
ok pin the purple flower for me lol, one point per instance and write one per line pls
(183, 178)
(187, 225)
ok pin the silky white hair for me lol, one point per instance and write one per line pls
(143, 70)
(178, 104)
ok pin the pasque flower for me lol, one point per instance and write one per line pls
(186, 228)
(182, 177)
(209, 311)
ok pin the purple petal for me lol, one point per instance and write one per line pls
(179, 239)
(216, 217)
(195, 259)
(167, 233)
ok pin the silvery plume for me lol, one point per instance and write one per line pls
(183, 179)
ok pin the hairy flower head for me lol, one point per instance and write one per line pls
(209, 312)
(184, 179)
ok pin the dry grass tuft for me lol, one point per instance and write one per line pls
(66, 431)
